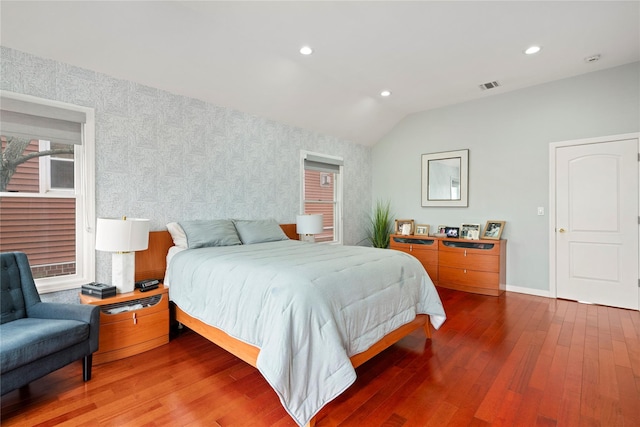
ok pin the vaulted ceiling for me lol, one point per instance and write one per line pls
(245, 55)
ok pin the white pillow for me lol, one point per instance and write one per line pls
(178, 235)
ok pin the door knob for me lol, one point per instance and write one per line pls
(562, 230)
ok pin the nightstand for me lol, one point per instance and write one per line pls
(131, 323)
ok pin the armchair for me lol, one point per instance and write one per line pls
(37, 338)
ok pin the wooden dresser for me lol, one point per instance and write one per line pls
(424, 248)
(477, 266)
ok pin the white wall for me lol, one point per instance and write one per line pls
(508, 136)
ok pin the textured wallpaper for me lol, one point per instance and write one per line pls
(168, 157)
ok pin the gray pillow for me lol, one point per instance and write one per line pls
(213, 232)
(259, 231)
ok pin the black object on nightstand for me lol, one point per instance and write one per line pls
(147, 285)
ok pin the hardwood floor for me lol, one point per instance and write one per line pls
(497, 361)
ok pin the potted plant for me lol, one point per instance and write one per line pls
(379, 230)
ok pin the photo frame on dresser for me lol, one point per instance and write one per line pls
(470, 231)
(404, 227)
(422, 230)
(452, 232)
(493, 230)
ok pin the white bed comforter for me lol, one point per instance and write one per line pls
(308, 307)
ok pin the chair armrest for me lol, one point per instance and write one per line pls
(81, 312)
(54, 310)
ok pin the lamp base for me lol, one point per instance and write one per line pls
(308, 238)
(123, 267)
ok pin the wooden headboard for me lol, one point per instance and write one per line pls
(152, 263)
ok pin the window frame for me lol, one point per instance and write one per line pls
(46, 186)
(338, 193)
(84, 193)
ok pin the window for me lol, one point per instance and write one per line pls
(57, 169)
(47, 188)
(322, 193)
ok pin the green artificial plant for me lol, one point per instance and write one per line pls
(380, 225)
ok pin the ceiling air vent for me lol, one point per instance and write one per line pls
(592, 58)
(490, 85)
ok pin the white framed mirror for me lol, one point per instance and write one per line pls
(445, 179)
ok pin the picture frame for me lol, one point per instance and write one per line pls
(404, 227)
(422, 230)
(445, 179)
(452, 232)
(493, 230)
(441, 232)
(470, 231)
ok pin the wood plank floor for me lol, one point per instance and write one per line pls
(514, 360)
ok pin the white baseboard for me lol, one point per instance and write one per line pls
(529, 291)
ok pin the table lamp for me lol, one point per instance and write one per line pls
(122, 236)
(307, 225)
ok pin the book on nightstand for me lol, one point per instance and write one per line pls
(98, 290)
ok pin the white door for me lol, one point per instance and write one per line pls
(596, 224)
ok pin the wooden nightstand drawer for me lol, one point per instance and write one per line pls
(142, 306)
(133, 330)
(131, 323)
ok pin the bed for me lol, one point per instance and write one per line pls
(299, 324)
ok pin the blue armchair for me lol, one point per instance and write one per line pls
(37, 338)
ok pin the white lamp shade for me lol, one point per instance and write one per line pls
(122, 235)
(309, 224)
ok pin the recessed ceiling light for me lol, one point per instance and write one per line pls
(385, 93)
(306, 50)
(533, 49)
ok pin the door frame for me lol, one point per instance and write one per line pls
(553, 290)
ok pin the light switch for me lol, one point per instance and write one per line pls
(540, 210)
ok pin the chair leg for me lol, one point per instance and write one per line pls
(86, 367)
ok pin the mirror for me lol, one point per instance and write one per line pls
(445, 178)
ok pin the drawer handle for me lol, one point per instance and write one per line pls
(465, 271)
(135, 320)
(465, 252)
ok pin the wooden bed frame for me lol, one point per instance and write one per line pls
(151, 264)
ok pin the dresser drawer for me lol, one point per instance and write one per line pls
(470, 261)
(425, 256)
(480, 247)
(469, 280)
(406, 241)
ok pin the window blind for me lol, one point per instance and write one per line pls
(322, 164)
(36, 121)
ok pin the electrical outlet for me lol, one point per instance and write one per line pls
(540, 210)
